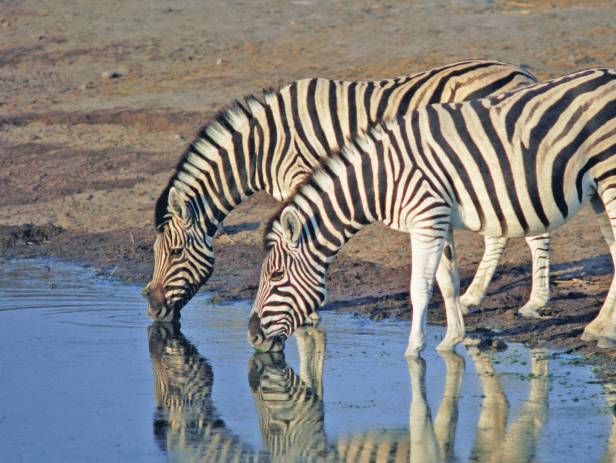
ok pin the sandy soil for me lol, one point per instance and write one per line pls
(98, 100)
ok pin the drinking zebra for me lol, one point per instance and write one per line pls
(272, 145)
(519, 164)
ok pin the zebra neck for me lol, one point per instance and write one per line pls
(220, 168)
(347, 193)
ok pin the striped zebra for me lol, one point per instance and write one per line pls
(272, 145)
(518, 164)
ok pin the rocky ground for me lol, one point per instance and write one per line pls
(99, 99)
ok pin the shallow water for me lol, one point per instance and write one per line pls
(83, 378)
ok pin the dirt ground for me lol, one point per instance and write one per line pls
(99, 99)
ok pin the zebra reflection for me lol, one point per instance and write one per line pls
(292, 414)
(186, 422)
(290, 407)
(291, 411)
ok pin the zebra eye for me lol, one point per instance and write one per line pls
(175, 252)
(277, 275)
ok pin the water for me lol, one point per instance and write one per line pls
(83, 378)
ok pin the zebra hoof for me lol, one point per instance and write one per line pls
(533, 309)
(413, 350)
(591, 332)
(530, 313)
(606, 343)
(469, 303)
(449, 344)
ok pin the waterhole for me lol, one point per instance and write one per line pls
(85, 376)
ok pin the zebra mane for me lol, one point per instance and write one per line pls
(223, 121)
(327, 166)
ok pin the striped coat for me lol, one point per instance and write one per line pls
(519, 164)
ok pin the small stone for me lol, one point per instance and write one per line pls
(219, 61)
(111, 75)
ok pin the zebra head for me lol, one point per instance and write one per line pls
(183, 256)
(292, 283)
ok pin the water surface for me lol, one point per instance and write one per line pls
(84, 377)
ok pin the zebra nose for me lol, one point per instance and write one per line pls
(156, 301)
(255, 333)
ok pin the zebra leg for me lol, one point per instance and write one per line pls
(475, 292)
(448, 281)
(520, 442)
(426, 253)
(603, 327)
(540, 293)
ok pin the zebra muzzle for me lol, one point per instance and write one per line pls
(259, 341)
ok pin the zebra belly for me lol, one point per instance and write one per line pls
(512, 227)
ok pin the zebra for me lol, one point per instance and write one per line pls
(273, 144)
(519, 164)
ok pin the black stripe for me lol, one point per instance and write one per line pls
(435, 130)
(438, 92)
(367, 97)
(352, 109)
(284, 152)
(334, 113)
(314, 115)
(484, 168)
(384, 100)
(297, 122)
(366, 169)
(504, 164)
(496, 86)
(269, 157)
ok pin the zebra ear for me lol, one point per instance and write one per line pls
(291, 224)
(177, 204)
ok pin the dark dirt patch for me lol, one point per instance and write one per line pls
(36, 171)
